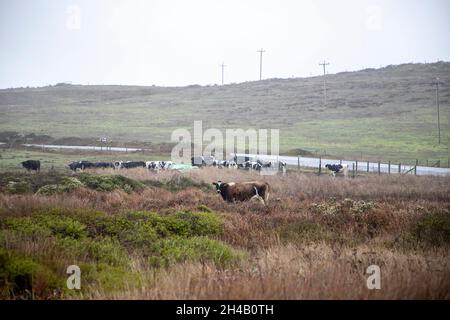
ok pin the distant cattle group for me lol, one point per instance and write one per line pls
(117, 165)
(244, 163)
(238, 162)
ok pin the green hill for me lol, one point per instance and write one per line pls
(386, 113)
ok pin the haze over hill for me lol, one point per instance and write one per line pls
(388, 113)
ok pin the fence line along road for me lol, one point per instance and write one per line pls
(105, 148)
(362, 165)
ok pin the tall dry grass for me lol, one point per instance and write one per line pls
(316, 271)
(309, 242)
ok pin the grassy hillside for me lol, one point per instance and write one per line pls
(387, 113)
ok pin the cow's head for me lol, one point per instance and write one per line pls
(221, 188)
(328, 166)
(218, 184)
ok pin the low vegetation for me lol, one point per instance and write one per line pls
(168, 236)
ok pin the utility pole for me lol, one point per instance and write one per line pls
(260, 63)
(223, 66)
(437, 106)
(324, 64)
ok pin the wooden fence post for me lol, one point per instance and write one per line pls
(399, 168)
(367, 166)
(415, 167)
(356, 166)
(379, 172)
(298, 162)
(320, 165)
(353, 171)
(389, 167)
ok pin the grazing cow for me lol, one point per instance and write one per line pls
(158, 165)
(264, 164)
(337, 168)
(242, 191)
(132, 164)
(282, 167)
(34, 165)
(104, 165)
(230, 164)
(250, 165)
(81, 165)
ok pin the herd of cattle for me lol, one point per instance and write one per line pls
(203, 161)
(246, 163)
(230, 191)
(151, 165)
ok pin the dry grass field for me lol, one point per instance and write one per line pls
(170, 236)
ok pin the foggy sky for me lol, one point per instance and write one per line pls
(172, 43)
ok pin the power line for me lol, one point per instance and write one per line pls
(260, 63)
(223, 66)
(324, 64)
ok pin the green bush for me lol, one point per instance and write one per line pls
(433, 229)
(131, 233)
(46, 225)
(202, 223)
(108, 277)
(27, 226)
(184, 224)
(25, 278)
(110, 182)
(99, 250)
(179, 249)
(68, 184)
(18, 187)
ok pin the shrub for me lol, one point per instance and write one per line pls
(108, 278)
(131, 233)
(18, 187)
(46, 225)
(23, 277)
(68, 184)
(433, 229)
(202, 223)
(99, 250)
(110, 183)
(178, 249)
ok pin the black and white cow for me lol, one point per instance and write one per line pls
(34, 165)
(250, 165)
(129, 164)
(282, 167)
(158, 165)
(229, 164)
(337, 168)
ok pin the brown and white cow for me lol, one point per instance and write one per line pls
(242, 191)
